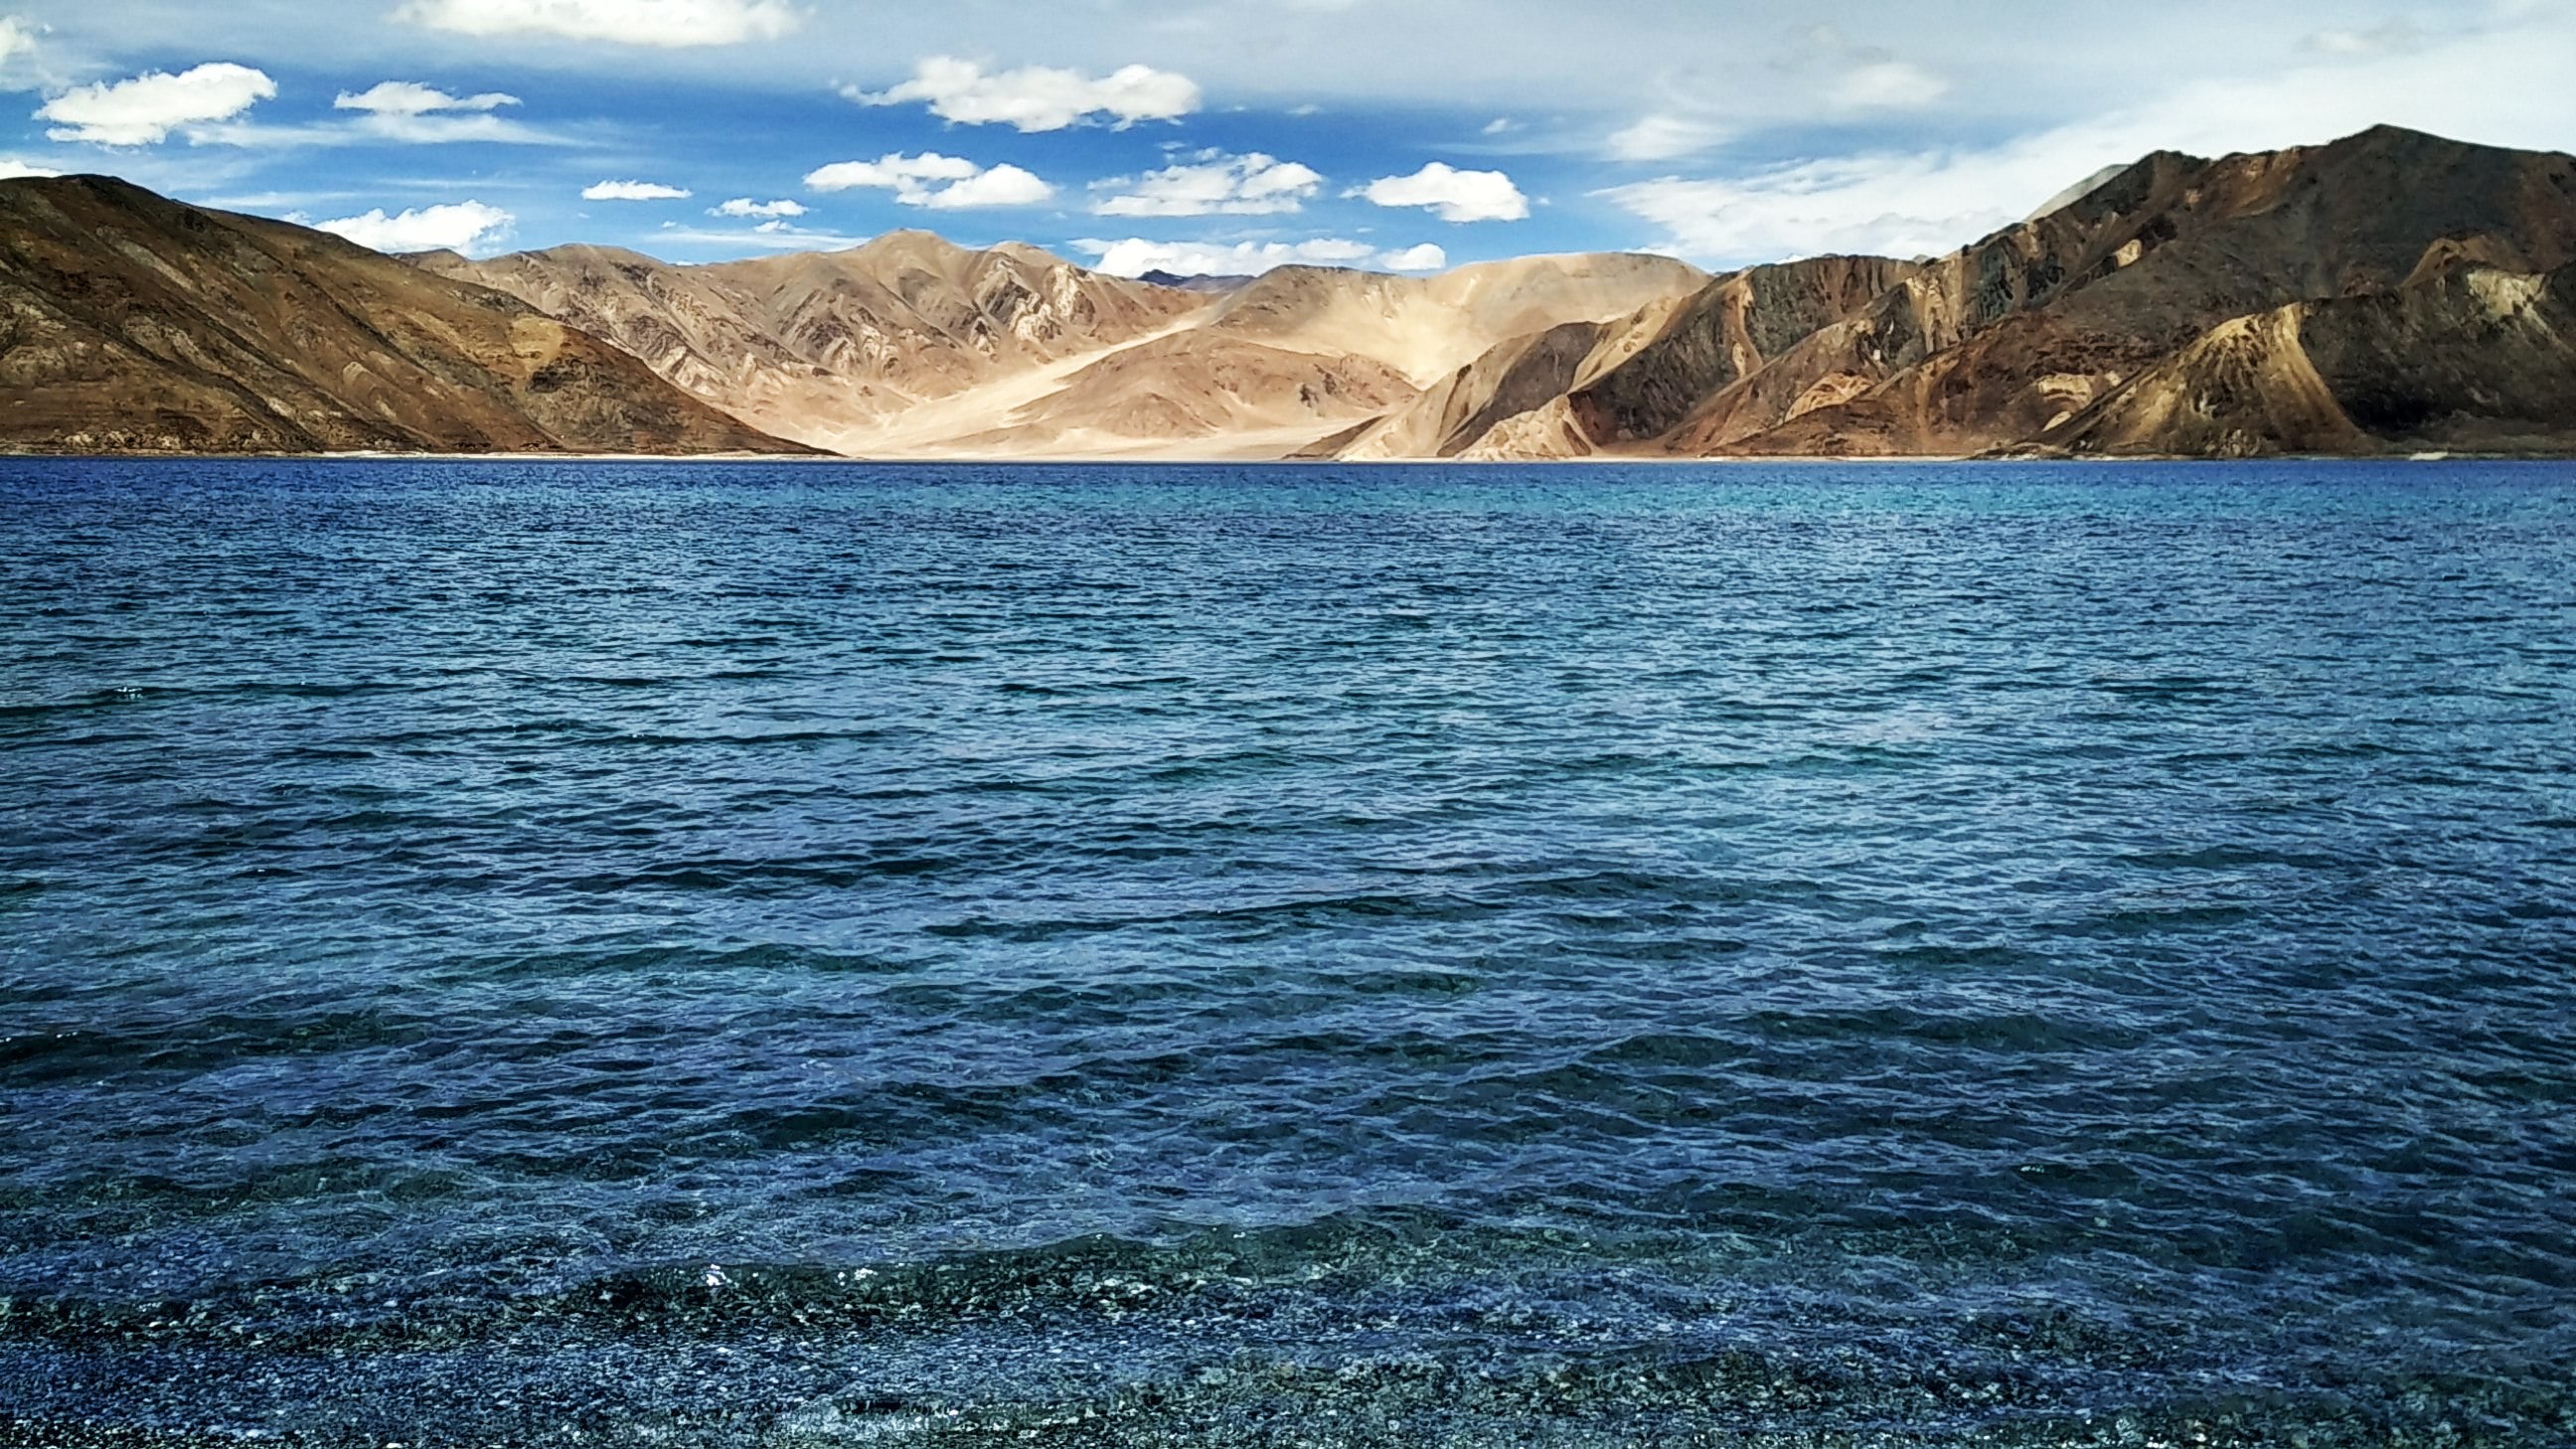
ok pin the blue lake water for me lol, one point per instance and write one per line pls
(545, 953)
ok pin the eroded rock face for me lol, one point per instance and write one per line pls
(1731, 330)
(829, 347)
(2136, 313)
(1187, 387)
(2062, 310)
(1515, 377)
(138, 324)
(2463, 357)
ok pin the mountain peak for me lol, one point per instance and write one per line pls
(913, 345)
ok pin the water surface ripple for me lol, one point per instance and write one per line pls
(510, 953)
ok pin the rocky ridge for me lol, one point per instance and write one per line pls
(132, 323)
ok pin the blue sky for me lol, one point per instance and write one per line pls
(1225, 134)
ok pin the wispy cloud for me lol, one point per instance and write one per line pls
(1916, 202)
(663, 24)
(1663, 136)
(1136, 256)
(633, 191)
(411, 98)
(16, 39)
(769, 236)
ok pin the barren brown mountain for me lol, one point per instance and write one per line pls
(132, 323)
(910, 346)
(2463, 357)
(2018, 334)
(855, 350)
(2389, 290)
(2033, 324)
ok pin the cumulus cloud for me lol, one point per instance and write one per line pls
(1037, 98)
(892, 172)
(15, 38)
(940, 183)
(745, 206)
(15, 166)
(664, 24)
(466, 226)
(633, 191)
(1454, 195)
(1001, 186)
(1136, 256)
(1212, 183)
(148, 108)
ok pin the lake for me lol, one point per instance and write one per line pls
(805, 954)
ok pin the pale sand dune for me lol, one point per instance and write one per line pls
(1428, 328)
(924, 427)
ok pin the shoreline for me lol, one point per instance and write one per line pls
(1097, 461)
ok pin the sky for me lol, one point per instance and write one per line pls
(1226, 136)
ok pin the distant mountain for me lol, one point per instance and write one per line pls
(131, 323)
(2389, 291)
(1216, 285)
(910, 346)
(847, 350)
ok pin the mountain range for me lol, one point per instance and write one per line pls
(2391, 292)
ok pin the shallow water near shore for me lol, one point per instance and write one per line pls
(502, 953)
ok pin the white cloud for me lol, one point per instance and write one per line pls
(633, 191)
(664, 24)
(1889, 85)
(1459, 196)
(892, 172)
(465, 226)
(15, 39)
(1136, 256)
(768, 236)
(1501, 125)
(1038, 98)
(1663, 136)
(410, 98)
(15, 166)
(2395, 35)
(149, 107)
(941, 183)
(1001, 186)
(1213, 183)
(745, 206)
(411, 112)
(1927, 202)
